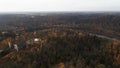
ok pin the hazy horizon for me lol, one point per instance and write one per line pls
(59, 6)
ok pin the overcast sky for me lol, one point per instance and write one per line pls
(58, 5)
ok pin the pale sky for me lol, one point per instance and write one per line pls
(58, 5)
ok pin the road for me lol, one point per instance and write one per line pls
(105, 37)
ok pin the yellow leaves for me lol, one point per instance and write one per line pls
(81, 34)
(61, 65)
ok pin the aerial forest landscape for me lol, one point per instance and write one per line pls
(60, 40)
